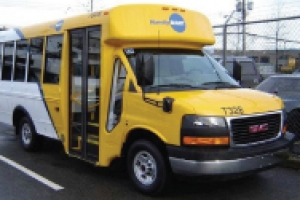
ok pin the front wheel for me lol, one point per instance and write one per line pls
(147, 168)
(28, 136)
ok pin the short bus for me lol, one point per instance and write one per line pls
(132, 84)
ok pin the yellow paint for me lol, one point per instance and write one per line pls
(129, 27)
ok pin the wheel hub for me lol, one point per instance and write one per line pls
(26, 134)
(145, 168)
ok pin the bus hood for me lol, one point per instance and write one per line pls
(227, 102)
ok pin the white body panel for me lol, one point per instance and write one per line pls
(9, 35)
(29, 96)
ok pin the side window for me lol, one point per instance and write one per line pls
(53, 59)
(20, 62)
(35, 59)
(8, 60)
(116, 98)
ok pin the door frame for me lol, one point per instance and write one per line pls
(84, 34)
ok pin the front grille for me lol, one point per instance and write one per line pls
(241, 133)
(293, 122)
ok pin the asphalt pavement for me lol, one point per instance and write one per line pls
(81, 180)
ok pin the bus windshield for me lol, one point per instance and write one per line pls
(183, 69)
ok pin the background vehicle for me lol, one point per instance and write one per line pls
(287, 87)
(297, 71)
(286, 64)
(250, 73)
(266, 69)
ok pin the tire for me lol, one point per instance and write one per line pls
(28, 136)
(143, 153)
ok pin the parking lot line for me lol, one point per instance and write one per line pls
(32, 174)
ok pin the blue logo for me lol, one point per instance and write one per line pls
(177, 23)
(58, 25)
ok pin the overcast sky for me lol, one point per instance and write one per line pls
(26, 12)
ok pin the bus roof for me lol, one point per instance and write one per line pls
(157, 23)
(132, 23)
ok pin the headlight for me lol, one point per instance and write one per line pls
(200, 121)
(209, 121)
(200, 130)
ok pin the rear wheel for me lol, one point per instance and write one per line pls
(28, 137)
(147, 168)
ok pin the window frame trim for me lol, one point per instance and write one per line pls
(1, 58)
(114, 79)
(12, 74)
(26, 61)
(42, 58)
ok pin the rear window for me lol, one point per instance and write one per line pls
(280, 85)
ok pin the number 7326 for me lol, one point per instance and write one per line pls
(235, 110)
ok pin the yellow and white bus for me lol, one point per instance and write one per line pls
(132, 83)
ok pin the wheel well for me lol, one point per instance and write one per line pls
(17, 116)
(138, 134)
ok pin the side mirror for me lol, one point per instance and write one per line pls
(168, 104)
(237, 71)
(145, 70)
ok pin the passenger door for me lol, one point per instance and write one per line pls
(84, 97)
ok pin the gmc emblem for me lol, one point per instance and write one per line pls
(258, 128)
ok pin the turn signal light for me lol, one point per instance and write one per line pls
(284, 129)
(188, 140)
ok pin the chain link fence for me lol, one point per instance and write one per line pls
(272, 41)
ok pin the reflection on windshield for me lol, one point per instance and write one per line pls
(183, 67)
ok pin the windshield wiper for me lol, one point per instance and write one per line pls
(221, 84)
(176, 85)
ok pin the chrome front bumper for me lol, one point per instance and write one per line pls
(223, 167)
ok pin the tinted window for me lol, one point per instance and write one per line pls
(53, 59)
(21, 57)
(35, 59)
(264, 59)
(8, 60)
